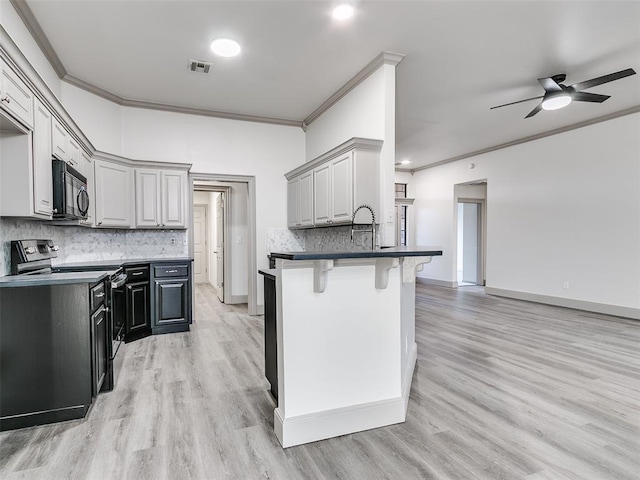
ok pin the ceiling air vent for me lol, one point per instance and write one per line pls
(199, 66)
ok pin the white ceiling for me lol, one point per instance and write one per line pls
(461, 59)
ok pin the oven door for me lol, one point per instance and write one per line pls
(116, 327)
(118, 311)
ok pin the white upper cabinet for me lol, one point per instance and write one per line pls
(60, 141)
(113, 194)
(300, 201)
(305, 201)
(161, 197)
(327, 190)
(322, 194)
(148, 199)
(341, 189)
(293, 202)
(15, 96)
(174, 198)
(333, 202)
(74, 155)
(42, 174)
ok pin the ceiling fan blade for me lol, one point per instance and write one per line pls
(535, 110)
(589, 97)
(604, 79)
(519, 101)
(549, 84)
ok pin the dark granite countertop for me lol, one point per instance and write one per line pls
(53, 279)
(394, 252)
(268, 272)
(117, 263)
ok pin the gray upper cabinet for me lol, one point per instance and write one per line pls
(60, 141)
(161, 197)
(15, 97)
(327, 190)
(148, 200)
(113, 194)
(42, 174)
(174, 197)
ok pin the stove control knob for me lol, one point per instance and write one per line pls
(30, 250)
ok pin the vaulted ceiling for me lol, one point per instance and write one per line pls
(461, 59)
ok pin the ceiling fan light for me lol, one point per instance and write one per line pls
(554, 102)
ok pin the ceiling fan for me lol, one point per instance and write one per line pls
(558, 95)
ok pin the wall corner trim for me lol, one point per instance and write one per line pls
(384, 58)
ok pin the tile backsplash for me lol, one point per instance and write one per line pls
(314, 239)
(79, 244)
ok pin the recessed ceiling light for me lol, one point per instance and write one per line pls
(225, 47)
(343, 11)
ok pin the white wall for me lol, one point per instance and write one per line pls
(367, 111)
(99, 119)
(565, 208)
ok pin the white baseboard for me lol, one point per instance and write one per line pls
(340, 421)
(433, 281)
(233, 299)
(626, 312)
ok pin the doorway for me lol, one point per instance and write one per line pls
(471, 233)
(469, 242)
(231, 255)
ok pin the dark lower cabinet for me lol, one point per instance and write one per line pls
(138, 298)
(52, 352)
(172, 297)
(270, 332)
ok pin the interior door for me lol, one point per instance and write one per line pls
(200, 243)
(471, 240)
(219, 251)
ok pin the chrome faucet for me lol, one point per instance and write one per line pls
(373, 225)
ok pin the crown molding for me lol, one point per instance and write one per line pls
(351, 144)
(385, 58)
(14, 57)
(31, 23)
(127, 102)
(531, 138)
(129, 162)
(29, 20)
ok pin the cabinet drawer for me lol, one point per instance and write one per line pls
(162, 271)
(97, 296)
(137, 274)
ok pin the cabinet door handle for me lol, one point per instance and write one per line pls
(137, 273)
(172, 271)
(99, 295)
(6, 99)
(100, 223)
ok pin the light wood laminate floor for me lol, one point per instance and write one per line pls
(503, 389)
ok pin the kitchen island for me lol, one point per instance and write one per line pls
(346, 345)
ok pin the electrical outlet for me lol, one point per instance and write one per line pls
(565, 285)
(173, 241)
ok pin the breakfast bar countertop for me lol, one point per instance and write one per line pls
(388, 252)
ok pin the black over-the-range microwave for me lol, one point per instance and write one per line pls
(70, 196)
